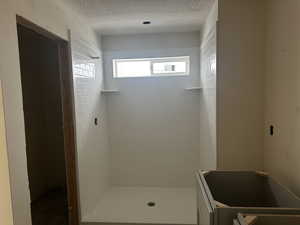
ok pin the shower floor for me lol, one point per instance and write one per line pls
(130, 205)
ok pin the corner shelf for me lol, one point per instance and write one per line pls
(110, 91)
(194, 89)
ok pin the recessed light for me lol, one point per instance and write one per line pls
(146, 22)
(151, 204)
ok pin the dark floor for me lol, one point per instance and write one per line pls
(51, 209)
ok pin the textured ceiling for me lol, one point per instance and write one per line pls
(126, 16)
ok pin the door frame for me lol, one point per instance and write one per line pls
(68, 111)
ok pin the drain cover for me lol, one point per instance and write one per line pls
(151, 204)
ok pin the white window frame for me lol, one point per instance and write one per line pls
(185, 59)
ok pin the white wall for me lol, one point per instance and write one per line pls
(208, 107)
(151, 45)
(282, 109)
(210, 22)
(92, 140)
(52, 17)
(154, 122)
(5, 193)
(240, 84)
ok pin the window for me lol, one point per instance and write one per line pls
(151, 67)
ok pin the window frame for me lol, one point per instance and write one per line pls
(185, 59)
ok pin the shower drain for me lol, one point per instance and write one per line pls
(151, 204)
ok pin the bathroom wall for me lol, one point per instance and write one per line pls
(210, 22)
(151, 45)
(58, 20)
(153, 122)
(208, 107)
(281, 156)
(5, 193)
(240, 84)
(92, 139)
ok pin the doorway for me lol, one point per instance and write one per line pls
(47, 89)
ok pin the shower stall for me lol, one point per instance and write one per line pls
(141, 139)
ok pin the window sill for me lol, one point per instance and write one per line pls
(151, 77)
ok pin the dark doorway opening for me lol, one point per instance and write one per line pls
(47, 89)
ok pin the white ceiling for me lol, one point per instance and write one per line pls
(126, 16)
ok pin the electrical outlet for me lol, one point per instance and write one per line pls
(96, 121)
(272, 130)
